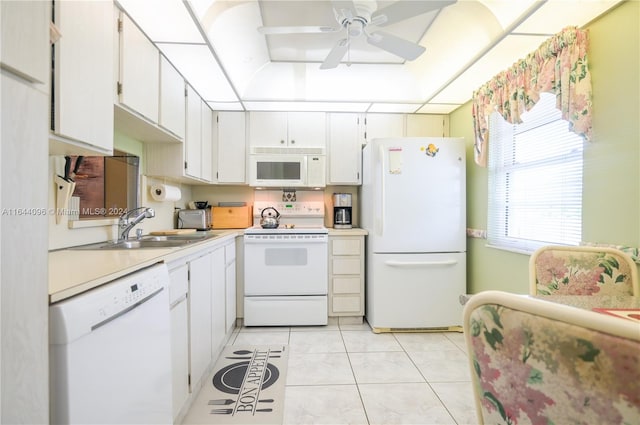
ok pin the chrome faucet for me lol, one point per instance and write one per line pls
(126, 222)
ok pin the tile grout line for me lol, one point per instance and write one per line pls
(427, 381)
(355, 380)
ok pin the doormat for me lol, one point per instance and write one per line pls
(246, 387)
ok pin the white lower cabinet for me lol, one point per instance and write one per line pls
(230, 286)
(218, 300)
(200, 290)
(199, 317)
(346, 276)
(178, 289)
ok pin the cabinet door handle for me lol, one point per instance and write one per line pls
(282, 142)
(293, 142)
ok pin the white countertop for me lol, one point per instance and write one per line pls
(72, 271)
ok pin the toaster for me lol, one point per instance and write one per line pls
(194, 219)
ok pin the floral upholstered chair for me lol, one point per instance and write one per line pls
(538, 362)
(582, 270)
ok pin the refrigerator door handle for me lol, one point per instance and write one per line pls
(383, 195)
(393, 263)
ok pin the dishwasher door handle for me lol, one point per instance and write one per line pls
(126, 310)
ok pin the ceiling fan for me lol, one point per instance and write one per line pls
(357, 17)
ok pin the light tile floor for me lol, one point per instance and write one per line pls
(346, 374)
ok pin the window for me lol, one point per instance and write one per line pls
(535, 180)
(107, 185)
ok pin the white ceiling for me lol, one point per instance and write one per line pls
(216, 46)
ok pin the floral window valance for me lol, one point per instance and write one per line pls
(558, 66)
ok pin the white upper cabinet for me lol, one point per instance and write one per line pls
(198, 140)
(149, 92)
(139, 80)
(231, 147)
(287, 129)
(189, 161)
(426, 125)
(24, 45)
(307, 129)
(172, 99)
(193, 139)
(384, 125)
(344, 150)
(268, 129)
(206, 150)
(83, 75)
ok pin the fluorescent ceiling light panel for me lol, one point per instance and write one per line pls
(551, 18)
(163, 20)
(226, 106)
(434, 108)
(506, 12)
(200, 69)
(449, 48)
(508, 51)
(307, 106)
(405, 108)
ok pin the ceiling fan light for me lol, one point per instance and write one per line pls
(355, 28)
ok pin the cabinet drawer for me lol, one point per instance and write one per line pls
(346, 285)
(230, 252)
(178, 283)
(346, 247)
(346, 265)
(348, 304)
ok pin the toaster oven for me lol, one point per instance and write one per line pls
(194, 219)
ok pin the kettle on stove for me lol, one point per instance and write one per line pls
(271, 220)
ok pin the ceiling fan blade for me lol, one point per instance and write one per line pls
(401, 10)
(345, 8)
(396, 45)
(336, 54)
(297, 30)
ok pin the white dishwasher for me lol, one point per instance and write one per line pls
(110, 353)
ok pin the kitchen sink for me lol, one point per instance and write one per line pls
(133, 244)
(151, 241)
(170, 238)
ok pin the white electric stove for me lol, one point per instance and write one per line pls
(286, 269)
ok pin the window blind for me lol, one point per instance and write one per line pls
(535, 180)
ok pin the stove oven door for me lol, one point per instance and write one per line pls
(285, 264)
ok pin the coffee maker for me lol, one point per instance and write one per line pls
(342, 211)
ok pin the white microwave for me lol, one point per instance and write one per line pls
(286, 167)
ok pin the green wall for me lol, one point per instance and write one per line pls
(611, 197)
(131, 146)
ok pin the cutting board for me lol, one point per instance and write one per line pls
(172, 232)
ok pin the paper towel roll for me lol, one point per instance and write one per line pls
(165, 192)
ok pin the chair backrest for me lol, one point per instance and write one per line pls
(534, 361)
(582, 270)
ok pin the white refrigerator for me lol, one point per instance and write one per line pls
(413, 201)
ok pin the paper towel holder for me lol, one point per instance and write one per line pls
(161, 192)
